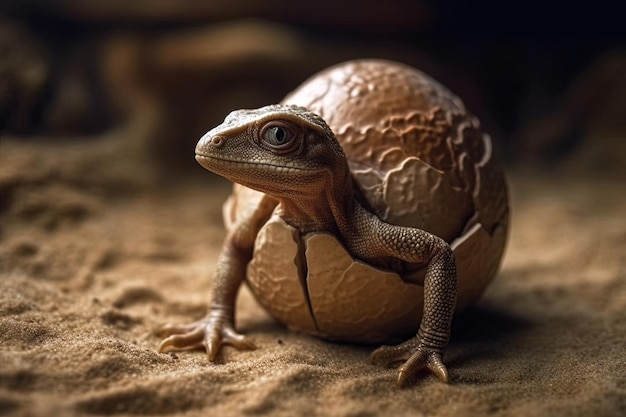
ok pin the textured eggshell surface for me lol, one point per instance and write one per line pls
(354, 301)
(312, 284)
(418, 159)
(274, 275)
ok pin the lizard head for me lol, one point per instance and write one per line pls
(280, 150)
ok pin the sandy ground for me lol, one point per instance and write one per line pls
(88, 270)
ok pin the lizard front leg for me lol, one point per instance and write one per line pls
(218, 327)
(425, 350)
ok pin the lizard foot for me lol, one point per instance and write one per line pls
(416, 357)
(210, 334)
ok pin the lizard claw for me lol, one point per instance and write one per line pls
(423, 359)
(210, 333)
(215, 338)
(416, 357)
(178, 338)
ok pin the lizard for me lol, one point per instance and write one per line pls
(291, 155)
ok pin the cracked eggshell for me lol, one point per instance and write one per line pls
(275, 275)
(312, 284)
(418, 159)
(356, 302)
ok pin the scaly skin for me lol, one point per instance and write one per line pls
(292, 156)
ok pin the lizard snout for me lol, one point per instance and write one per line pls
(209, 142)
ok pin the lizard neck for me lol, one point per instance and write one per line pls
(327, 207)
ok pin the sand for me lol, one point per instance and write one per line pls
(93, 260)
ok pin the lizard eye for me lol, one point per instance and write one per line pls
(278, 137)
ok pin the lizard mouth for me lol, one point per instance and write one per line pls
(211, 163)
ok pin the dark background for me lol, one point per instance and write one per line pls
(540, 75)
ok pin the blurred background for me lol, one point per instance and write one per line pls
(547, 80)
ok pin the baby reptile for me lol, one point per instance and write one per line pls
(366, 206)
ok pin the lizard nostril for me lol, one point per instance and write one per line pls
(217, 141)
